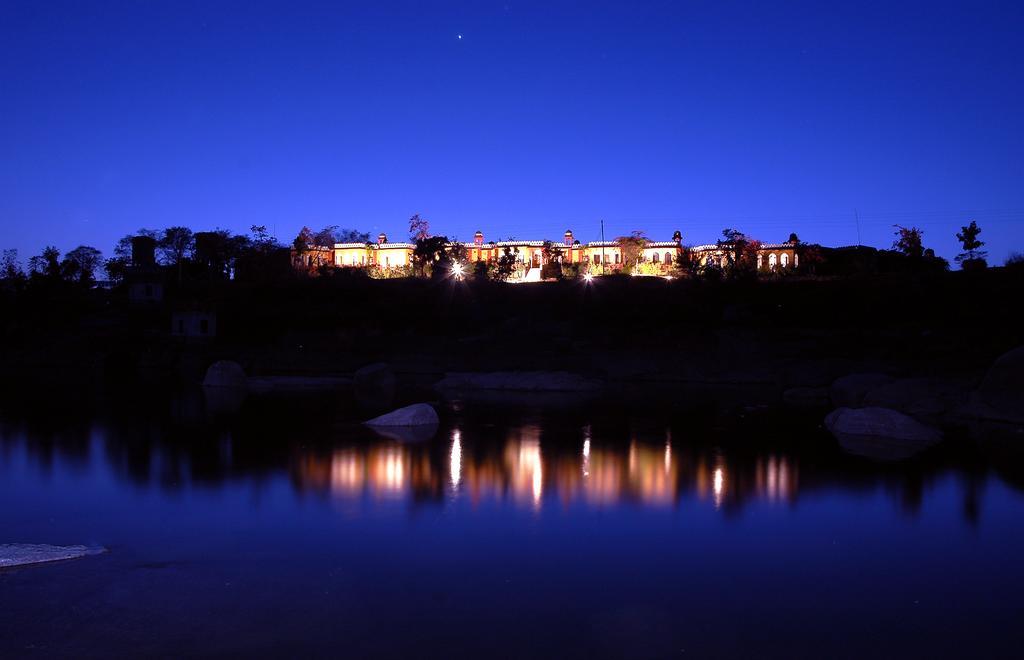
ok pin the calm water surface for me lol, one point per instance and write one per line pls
(515, 531)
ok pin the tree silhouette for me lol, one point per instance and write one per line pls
(506, 264)
(431, 251)
(741, 252)
(175, 245)
(908, 241)
(11, 271)
(419, 228)
(972, 254)
(80, 264)
(46, 264)
(632, 248)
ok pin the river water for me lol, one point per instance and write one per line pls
(550, 528)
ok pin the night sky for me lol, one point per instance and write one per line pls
(768, 117)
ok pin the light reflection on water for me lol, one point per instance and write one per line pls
(455, 464)
(625, 527)
(523, 471)
(532, 463)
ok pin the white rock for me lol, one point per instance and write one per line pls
(21, 554)
(879, 433)
(418, 414)
(225, 373)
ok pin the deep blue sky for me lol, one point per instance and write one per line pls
(770, 117)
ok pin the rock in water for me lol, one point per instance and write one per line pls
(879, 433)
(849, 391)
(22, 554)
(225, 373)
(418, 414)
(375, 384)
(407, 434)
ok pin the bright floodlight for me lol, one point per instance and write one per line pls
(588, 277)
(457, 271)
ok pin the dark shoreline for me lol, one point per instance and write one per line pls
(631, 334)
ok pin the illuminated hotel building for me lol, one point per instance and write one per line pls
(606, 255)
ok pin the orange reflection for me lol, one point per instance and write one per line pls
(523, 460)
(348, 472)
(522, 469)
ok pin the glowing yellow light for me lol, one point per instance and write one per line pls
(719, 485)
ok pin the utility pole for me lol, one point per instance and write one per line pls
(856, 217)
(603, 262)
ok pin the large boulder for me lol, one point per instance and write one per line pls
(225, 373)
(407, 434)
(1002, 388)
(21, 554)
(418, 414)
(922, 397)
(848, 391)
(375, 385)
(527, 381)
(879, 433)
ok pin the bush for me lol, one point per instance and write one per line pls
(648, 268)
(1015, 261)
(378, 272)
(551, 271)
(973, 265)
(571, 271)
